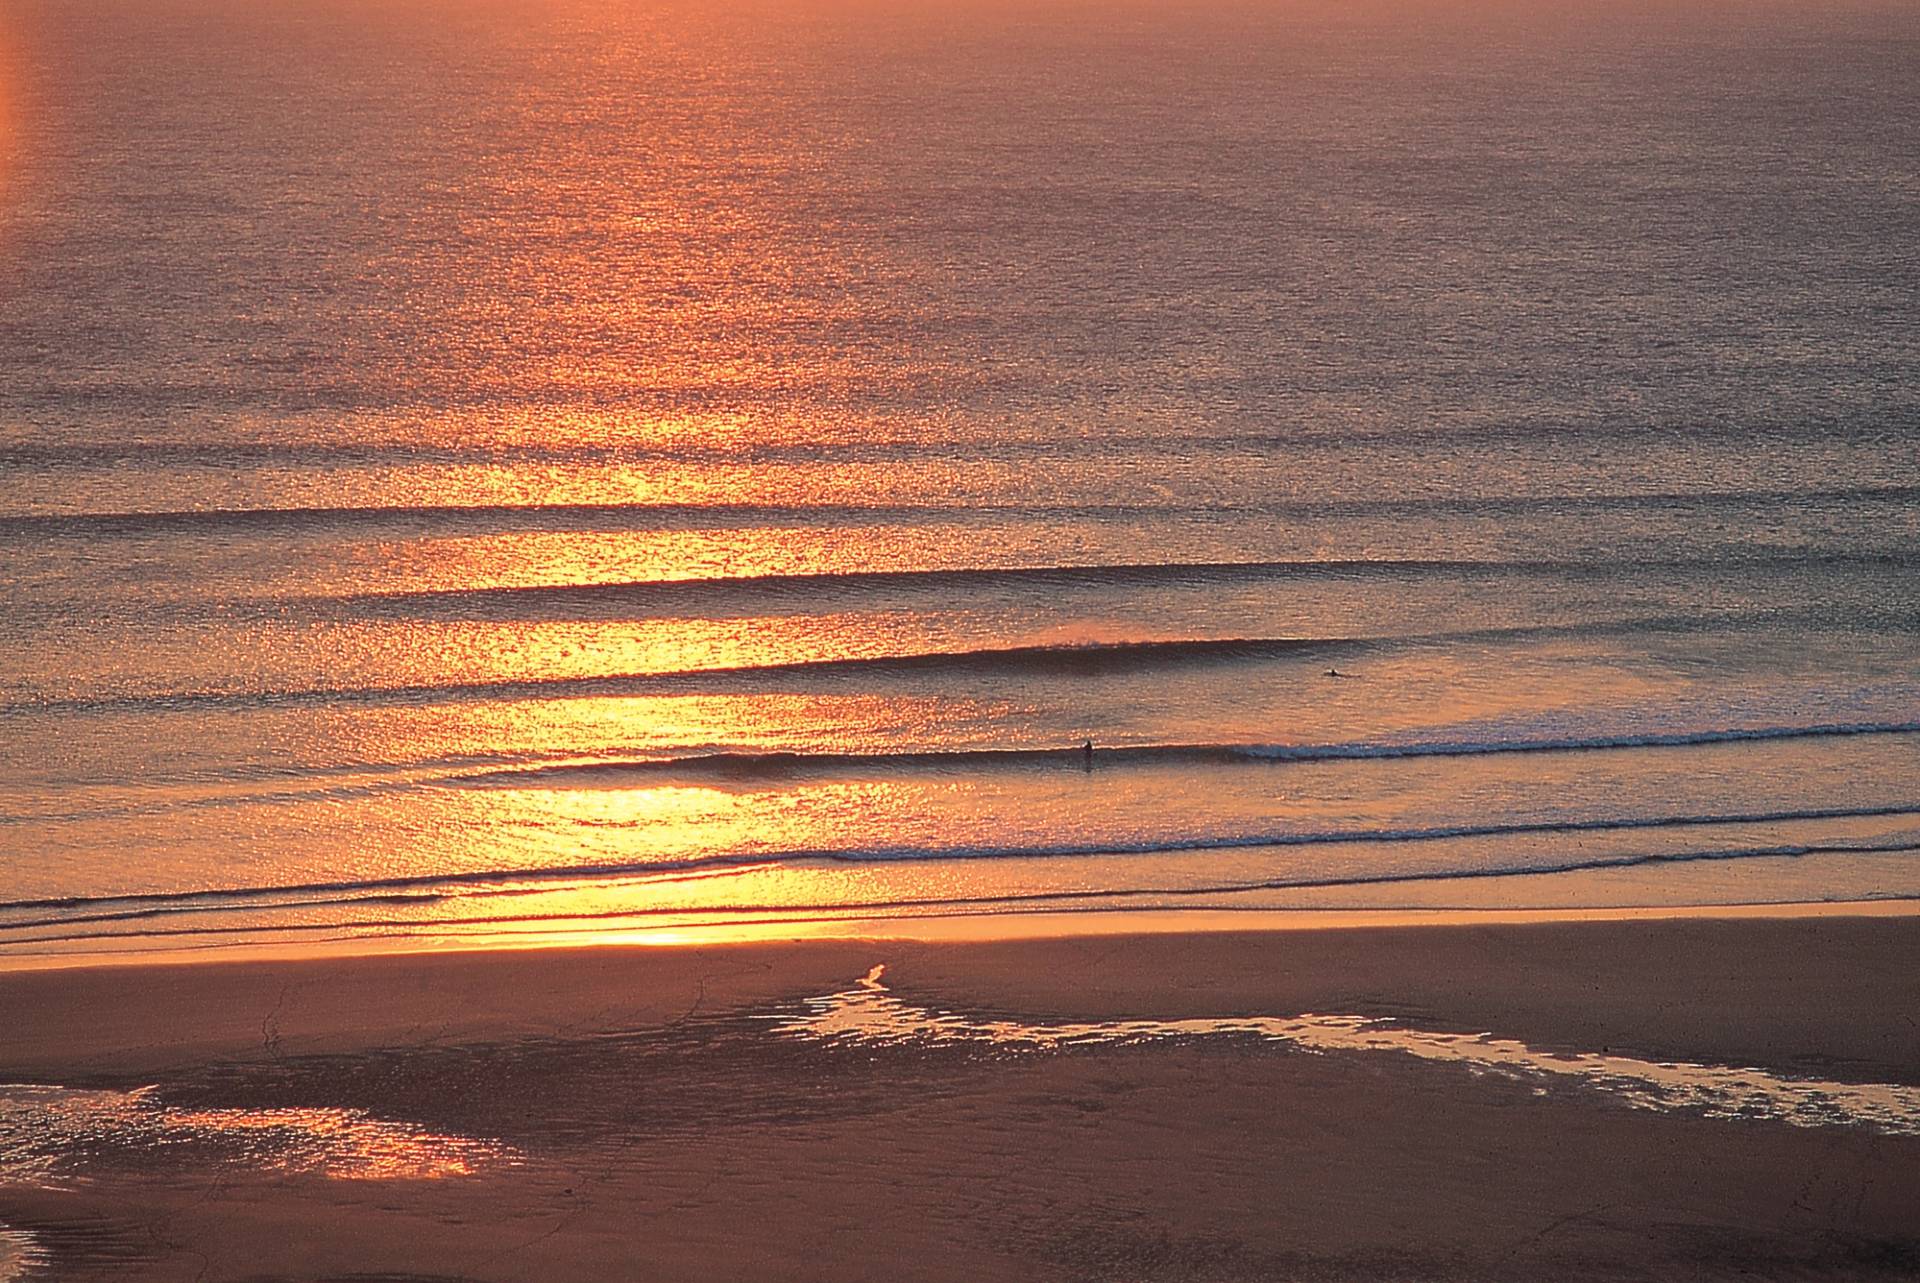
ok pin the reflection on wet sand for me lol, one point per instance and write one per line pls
(18, 1254)
(872, 1014)
(47, 1132)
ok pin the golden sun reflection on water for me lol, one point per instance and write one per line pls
(340, 1144)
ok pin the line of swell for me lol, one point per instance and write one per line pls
(1096, 657)
(295, 894)
(770, 767)
(1028, 901)
(384, 450)
(1070, 659)
(694, 516)
(922, 901)
(781, 765)
(633, 598)
(641, 597)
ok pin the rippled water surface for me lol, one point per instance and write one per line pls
(477, 468)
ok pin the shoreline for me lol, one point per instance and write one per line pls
(977, 928)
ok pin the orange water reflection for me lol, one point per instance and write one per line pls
(52, 1130)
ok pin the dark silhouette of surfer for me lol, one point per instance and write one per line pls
(1086, 751)
(1334, 672)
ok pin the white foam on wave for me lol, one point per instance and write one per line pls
(872, 1014)
(1695, 738)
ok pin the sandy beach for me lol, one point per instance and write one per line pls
(1033, 1109)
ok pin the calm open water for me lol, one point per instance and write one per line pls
(484, 467)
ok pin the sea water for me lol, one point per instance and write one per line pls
(525, 466)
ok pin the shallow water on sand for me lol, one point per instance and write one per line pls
(870, 1014)
(446, 1160)
(287, 1120)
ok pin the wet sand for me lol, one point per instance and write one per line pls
(664, 1113)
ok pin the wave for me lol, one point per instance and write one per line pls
(507, 518)
(1649, 739)
(418, 888)
(1063, 659)
(555, 770)
(626, 599)
(1076, 658)
(644, 598)
(622, 517)
(387, 449)
(1029, 901)
(776, 765)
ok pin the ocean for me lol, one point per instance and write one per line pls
(579, 469)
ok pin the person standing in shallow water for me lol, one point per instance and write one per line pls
(1087, 751)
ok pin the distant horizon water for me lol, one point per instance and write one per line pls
(521, 468)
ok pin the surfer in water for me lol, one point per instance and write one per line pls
(1086, 751)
